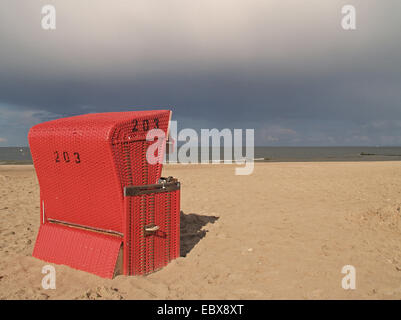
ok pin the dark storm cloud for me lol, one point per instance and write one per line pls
(223, 96)
(279, 66)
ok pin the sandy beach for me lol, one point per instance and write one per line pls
(284, 232)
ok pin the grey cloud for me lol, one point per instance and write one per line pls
(218, 63)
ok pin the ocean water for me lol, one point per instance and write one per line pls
(15, 155)
(285, 154)
(329, 153)
(270, 154)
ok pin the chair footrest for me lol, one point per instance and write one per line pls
(80, 249)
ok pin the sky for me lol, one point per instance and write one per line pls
(285, 68)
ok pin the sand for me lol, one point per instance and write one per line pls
(284, 232)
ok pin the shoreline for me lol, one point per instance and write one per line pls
(369, 159)
(17, 156)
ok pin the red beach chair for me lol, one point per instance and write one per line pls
(104, 208)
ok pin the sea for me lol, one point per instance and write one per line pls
(22, 155)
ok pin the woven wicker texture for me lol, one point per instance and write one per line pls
(148, 253)
(84, 250)
(83, 164)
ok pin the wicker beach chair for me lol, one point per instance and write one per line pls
(104, 208)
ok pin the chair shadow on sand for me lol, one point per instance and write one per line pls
(190, 230)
